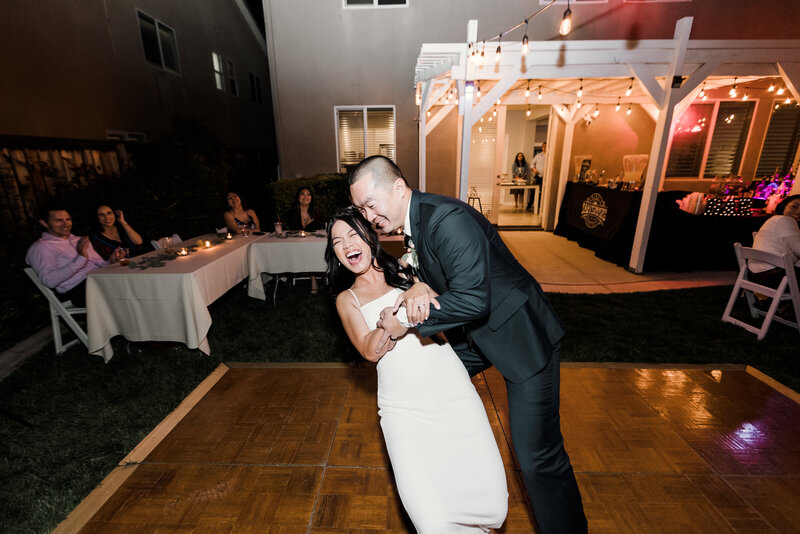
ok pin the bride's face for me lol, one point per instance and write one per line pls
(350, 249)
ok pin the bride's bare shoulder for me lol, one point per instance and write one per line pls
(346, 300)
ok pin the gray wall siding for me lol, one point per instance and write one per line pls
(76, 68)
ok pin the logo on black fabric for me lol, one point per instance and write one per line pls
(594, 210)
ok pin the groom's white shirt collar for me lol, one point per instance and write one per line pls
(407, 223)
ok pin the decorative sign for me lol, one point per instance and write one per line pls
(594, 211)
(585, 164)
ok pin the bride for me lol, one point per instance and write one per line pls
(448, 470)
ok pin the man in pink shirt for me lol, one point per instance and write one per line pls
(63, 260)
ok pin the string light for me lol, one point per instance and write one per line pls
(478, 87)
(787, 101)
(528, 113)
(771, 87)
(628, 111)
(732, 92)
(780, 91)
(702, 93)
(498, 101)
(528, 89)
(630, 88)
(580, 89)
(429, 113)
(525, 40)
(578, 104)
(483, 47)
(745, 97)
(596, 112)
(566, 22)
(777, 106)
(539, 96)
(617, 107)
(497, 52)
(494, 113)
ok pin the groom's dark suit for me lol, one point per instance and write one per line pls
(493, 309)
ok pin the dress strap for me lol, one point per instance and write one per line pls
(355, 297)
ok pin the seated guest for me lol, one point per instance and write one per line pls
(238, 216)
(62, 260)
(779, 235)
(113, 232)
(305, 215)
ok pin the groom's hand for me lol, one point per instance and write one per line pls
(392, 330)
(417, 300)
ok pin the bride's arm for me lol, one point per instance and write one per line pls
(363, 339)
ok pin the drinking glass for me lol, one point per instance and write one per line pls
(124, 255)
(278, 228)
(246, 231)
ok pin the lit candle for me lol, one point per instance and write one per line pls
(184, 252)
(207, 244)
(302, 233)
(229, 236)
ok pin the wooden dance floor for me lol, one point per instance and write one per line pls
(298, 449)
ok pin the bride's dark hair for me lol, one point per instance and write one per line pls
(340, 277)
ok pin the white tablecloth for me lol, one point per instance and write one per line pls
(168, 303)
(269, 254)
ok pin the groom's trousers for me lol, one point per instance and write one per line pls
(536, 433)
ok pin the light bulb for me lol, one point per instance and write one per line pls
(629, 89)
(429, 113)
(596, 112)
(787, 101)
(525, 45)
(745, 97)
(580, 89)
(780, 91)
(540, 92)
(578, 104)
(528, 90)
(566, 22)
(497, 55)
(494, 114)
(771, 87)
(628, 111)
(498, 101)
(528, 113)
(705, 97)
(617, 106)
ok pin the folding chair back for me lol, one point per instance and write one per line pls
(64, 310)
(787, 290)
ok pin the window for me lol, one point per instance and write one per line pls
(689, 141)
(729, 137)
(780, 143)
(374, 3)
(219, 75)
(158, 41)
(233, 86)
(255, 88)
(363, 131)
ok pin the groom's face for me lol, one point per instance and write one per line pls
(384, 205)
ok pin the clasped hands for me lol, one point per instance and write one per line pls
(417, 301)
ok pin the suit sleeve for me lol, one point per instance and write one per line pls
(462, 252)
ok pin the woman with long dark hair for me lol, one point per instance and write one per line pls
(448, 469)
(112, 231)
(239, 216)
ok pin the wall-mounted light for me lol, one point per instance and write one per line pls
(566, 21)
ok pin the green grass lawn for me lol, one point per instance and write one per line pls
(87, 415)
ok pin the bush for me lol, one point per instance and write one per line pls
(330, 192)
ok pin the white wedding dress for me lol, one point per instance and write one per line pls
(446, 464)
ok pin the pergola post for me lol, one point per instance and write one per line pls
(658, 151)
(465, 124)
(569, 114)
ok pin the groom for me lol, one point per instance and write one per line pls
(493, 312)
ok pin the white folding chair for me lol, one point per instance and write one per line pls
(64, 310)
(786, 291)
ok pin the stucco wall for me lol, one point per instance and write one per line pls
(441, 157)
(76, 68)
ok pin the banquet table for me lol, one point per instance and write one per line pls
(286, 253)
(163, 303)
(289, 253)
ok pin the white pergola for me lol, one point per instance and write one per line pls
(667, 76)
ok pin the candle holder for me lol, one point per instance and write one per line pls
(207, 244)
(229, 236)
(183, 252)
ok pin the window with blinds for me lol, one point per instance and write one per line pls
(364, 131)
(780, 143)
(729, 137)
(689, 142)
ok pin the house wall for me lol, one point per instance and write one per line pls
(75, 69)
(610, 136)
(441, 159)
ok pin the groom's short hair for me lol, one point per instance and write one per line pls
(384, 171)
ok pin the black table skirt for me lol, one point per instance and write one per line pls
(679, 241)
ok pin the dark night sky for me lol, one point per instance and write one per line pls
(257, 10)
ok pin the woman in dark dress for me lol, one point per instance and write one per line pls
(239, 216)
(112, 232)
(306, 216)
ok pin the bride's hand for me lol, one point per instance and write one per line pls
(392, 330)
(417, 300)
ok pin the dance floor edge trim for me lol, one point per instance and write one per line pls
(89, 506)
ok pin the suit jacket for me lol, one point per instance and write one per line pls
(483, 288)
